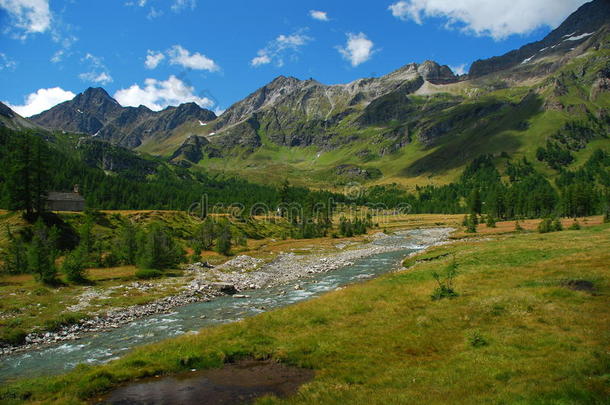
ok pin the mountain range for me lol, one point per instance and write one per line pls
(417, 125)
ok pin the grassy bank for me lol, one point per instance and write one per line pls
(530, 326)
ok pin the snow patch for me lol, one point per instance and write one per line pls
(79, 111)
(527, 60)
(578, 37)
(203, 124)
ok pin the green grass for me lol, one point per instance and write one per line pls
(514, 335)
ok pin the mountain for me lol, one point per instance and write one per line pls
(95, 113)
(548, 102)
(12, 120)
(583, 23)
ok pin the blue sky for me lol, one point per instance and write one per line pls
(164, 52)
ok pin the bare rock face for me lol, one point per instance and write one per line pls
(436, 74)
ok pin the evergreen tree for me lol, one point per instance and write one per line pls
(491, 221)
(74, 266)
(126, 244)
(223, 241)
(158, 250)
(42, 253)
(14, 258)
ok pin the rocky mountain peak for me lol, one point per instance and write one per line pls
(579, 27)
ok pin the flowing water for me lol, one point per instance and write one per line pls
(105, 346)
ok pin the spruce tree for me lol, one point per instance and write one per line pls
(223, 241)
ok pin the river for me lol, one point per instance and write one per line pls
(102, 347)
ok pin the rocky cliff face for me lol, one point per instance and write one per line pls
(12, 120)
(95, 113)
(575, 30)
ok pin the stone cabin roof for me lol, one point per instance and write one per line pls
(56, 196)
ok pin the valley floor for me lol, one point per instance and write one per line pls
(530, 325)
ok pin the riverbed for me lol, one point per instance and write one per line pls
(280, 284)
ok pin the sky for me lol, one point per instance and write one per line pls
(166, 52)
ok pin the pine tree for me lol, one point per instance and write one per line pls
(223, 241)
(74, 266)
(14, 258)
(126, 244)
(42, 253)
(158, 250)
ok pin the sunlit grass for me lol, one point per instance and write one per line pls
(386, 341)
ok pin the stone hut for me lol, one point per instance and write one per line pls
(57, 201)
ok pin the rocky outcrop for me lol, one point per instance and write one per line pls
(435, 73)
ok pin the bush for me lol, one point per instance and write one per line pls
(477, 340)
(491, 221)
(74, 267)
(556, 225)
(545, 226)
(147, 274)
(223, 242)
(13, 336)
(445, 282)
(518, 226)
(62, 320)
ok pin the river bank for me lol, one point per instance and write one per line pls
(235, 277)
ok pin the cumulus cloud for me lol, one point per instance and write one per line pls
(28, 16)
(358, 49)
(153, 59)
(158, 94)
(319, 15)
(42, 100)
(98, 72)
(180, 56)
(279, 48)
(497, 19)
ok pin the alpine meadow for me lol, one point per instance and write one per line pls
(438, 233)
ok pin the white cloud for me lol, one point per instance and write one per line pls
(6, 63)
(41, 101)
(58, 56)
(181, 5)
(30, 16)
(98, 72)
(153, 59)
(261, 59)
(180, 56)
(497, 19)
(154, 13)
(458, 69)
(279, 48)
(319, 15)
(358, 49)
(158, 94)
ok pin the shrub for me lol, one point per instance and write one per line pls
(473, 221)
(62, 320)
(575, 225)
(545, 226)
(491, 221)
(13, 336)
(556, 225)
(74, 267)
(445, 282)
(147, 274)
(477, 340)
